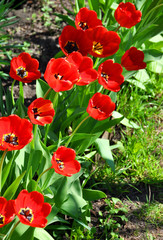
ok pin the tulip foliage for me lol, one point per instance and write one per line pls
(47, 148)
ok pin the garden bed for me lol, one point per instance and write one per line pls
(42, 43)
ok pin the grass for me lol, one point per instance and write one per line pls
(138, 161)
(142, 147)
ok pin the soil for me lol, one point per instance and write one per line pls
(43, 44)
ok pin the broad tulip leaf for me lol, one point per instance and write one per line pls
(103, 148)
(9, 193)
(156, 67)
(42, 234)
(92, 195)
(28, 235)
(125, 121)
(61, 193)
(152, 55)
(41, 88)
(74, 205)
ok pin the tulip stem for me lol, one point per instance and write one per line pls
(73, 133)
(55, 99)
(21, 93)
(116, 30)
(34, 136)
(12, 92)
(12, 230)
(38, 179)
(1, 166)
(46, 133)
(46, 94)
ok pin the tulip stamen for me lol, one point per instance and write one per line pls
(2, 219)
(105, 76)
(27, 213)
(21, 72)
(83, 25)
(97, 48)
(11, 138)
(60, 164)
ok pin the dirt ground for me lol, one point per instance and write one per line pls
(43, 44)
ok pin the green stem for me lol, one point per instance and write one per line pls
(86, 180)
(116, 30)
(46, 133)
(34, 136)
(1, 166)
(21, 93)
(69, 140)
(46, 94)
(9, 236)
(55, 99)
(12, 92)
(38, 179)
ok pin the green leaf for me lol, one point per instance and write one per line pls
(136, 83)
(59, 54)
(156, 67)
(9, 193)
(81, 3)
(103, 147)
(61, 193)
(92, 195)
(28, 235)
(19, 231)
(94, 5)
(32, 186)
(42, 234)
(41, 88)
(6, 169)
(65, 18)
(52, 216)
(125, 121)
(74, 205)
(152, 55)
(106, 124)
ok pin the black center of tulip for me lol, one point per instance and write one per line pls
(105, 76)
(83, 25)
(27, 213)
(11, 138)
(71, 47)
(21, 72)
(60, 164)
(2, 219)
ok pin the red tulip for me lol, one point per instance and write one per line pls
(100, 106)
(61, 75)
(7, 211)
(15, 132)
(127, 15)
(64, 163)
(86, 19)
(85, 67)
(31, 209)
(133, 59)
(110, 76)
(24, 68)
(41, 111)
(104, 43)
(74, 40)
